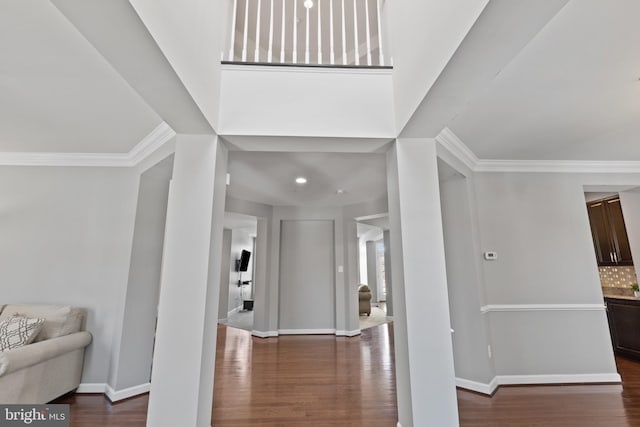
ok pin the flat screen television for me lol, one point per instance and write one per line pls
(244, 261)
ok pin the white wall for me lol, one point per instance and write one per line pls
(307, 294)
(240, 239)
(66, 239)
(225, 274)
(191, 36)
(538, 225)
(630, 202)
(424, 37)
(312, 102)
(464, 283)
(132, 366)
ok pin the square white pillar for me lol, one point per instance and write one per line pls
(184, 355)
(425, 377)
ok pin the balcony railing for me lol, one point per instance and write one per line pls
(307, 32)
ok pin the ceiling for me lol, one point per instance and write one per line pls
(58, 93)
(572, 93)
(269, 177)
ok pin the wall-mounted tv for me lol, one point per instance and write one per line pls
(243, 263)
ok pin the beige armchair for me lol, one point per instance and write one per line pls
(364, 300)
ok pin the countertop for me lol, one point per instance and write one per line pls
(621, 297)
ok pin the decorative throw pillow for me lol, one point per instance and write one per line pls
(17, 331)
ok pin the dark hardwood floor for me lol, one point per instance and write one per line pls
(329, 381)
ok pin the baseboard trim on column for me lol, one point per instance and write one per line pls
(478, 387)
(90, 388)
(348, 333)
(265, 334)
(399, 425)
(390, 318)
(115, 396)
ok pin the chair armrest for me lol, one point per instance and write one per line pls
(32, 354)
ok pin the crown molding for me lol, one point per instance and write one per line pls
(450, 141)
(557, 166)
(459, 149)
(149, 144)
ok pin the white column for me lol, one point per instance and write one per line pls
(188, 295)
(388, 272)
(425, 378)
(352, 311)
(261, 281)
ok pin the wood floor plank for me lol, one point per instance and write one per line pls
(329, 381)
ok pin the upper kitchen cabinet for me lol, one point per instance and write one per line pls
(609, 232)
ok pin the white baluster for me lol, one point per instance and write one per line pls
(344, 37)
(381, 56)
(355, 31)
(366, 13)
(319, 33)
(257, 52)
(282, 35)
(295, 31)
(246, 29)
(306, 49)
(332, 55)
(233, 30)
(270, 52)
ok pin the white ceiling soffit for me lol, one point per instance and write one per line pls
(269, 178)
(572, 94)
(115, 30)
(307, 144)
(58, 93)
(503, 29)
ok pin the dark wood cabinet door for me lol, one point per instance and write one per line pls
(601, 232)
(622, 250)
(624, 319)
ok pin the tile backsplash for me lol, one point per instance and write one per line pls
(617, 280)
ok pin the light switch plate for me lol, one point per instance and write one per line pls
(490, 256)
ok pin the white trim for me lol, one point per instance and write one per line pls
(457, 148)
(234, 311)
(540, 307)
(558, 166)
(306, 331)
(558, 379)
(478, 387)
(148, 145)
(390, 318)
(115, 396)
(91, 388)
(64, 159)
(302, 68)
(266, 334)
(223, 321)
(398, 425)
(462, 152)
(348, 333)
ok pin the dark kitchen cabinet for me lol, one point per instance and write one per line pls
(624, 324)
(609, 232)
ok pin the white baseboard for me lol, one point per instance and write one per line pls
(390, 318)
(235, 310)
(222, 321)
(476, 386)
(266, 334)
(499, 380)
(306, 331)
(399, 425)
(91, 388)
(558, 379)
(348, 333)
(115, 396)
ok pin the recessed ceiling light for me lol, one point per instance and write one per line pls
(308, 4)
(301, 180)
(340, 191)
